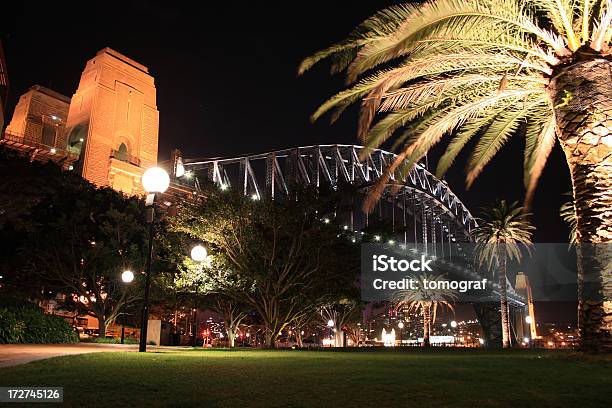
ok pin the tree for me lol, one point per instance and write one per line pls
(344, 313)
(210, 283)
(285, 257)
(82, 238)
(489, 70)
(426, 301)
(501, 234)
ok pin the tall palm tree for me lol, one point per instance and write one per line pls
(489, 70)
(426, 301)
(502, 232)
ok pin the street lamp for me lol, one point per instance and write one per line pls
(127, 277)
(155, 181)
(198, 254)
(400, 326)
(330, 324)
(453, 324)
(528, 319)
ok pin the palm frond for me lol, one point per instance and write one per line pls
(496, 135)
(377, 26)
(540, 140)
(602, 28)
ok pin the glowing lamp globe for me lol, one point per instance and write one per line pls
(453, 324)
(198, 253)
(400, 325)
(127, 276)
(155, 180)
(528, 319)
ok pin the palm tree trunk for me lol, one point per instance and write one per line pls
(581, 94)
(426, 325)
(503, 298)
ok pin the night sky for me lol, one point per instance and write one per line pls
(226, 79)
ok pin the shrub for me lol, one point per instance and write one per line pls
(28, 324)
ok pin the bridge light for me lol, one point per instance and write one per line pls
(353, 240)
(255, 197)
(345, 227)
(326, 220)
(391, 242)
(376, 237)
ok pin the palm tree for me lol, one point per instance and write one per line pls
(489, 70)
(501, 233)
(426, 301)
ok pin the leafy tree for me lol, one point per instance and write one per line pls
(426, 301)
(502, 232)
(278, 255)
(490, 70)
(82, 238)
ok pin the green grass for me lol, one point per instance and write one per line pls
(220, 378)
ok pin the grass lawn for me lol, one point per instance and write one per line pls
(373, 378)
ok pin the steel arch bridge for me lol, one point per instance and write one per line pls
(419, 206)
(274, 173)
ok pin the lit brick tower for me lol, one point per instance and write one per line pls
(113, 122)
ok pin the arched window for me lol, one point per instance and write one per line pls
(122, 153)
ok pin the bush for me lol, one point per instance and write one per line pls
(28, 324)
(110, 340)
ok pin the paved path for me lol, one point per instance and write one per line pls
(15, 354)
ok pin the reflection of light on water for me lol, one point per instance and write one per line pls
(388, 338)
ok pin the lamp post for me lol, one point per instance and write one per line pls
(198, 254)
(155, 181)
(400, 326)
(126, 277)
(330, 324)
